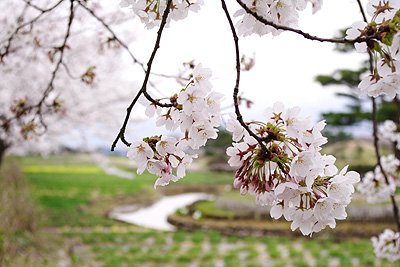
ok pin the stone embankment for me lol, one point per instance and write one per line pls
(250, 219)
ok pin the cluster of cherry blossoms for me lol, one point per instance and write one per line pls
(374, 184)
(281, 12)
(379, 186)
(389, 131)
(387, 245)
(285, 169)
(196, 112)
(385, 28)
(150, 12)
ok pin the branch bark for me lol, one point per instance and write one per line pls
(143, 90)
(300, 32)
(239, 116)
(379, 162)
(375, 133)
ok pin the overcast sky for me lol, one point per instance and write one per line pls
(285, 68)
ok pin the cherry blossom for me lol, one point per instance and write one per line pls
(235, 128)
(83, 101)
(201, 77)
(374, 185)
(387, 245)
(150, 12)
(385, 25)
(388, 131)
(382, 10)
(195, 111)
(300, 183)
(140, 151)
(281, 12)
(357, 28)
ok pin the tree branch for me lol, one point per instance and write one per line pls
(379, 162)
(300, 32)
(31, 22)
(375, 133)
(239, 116)
(362, 11)
(143, 90)
(50, 85)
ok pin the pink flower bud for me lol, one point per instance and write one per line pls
(237, 183)
(243, 190)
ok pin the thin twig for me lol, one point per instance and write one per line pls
(123, 44)
(28, 3)
(69, 73)
(114, 36)
(143, 90)
(239, 116)
(362, 11)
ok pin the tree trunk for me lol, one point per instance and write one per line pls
(3, 148)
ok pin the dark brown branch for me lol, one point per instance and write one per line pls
(239, 116)
(379, 162)
(143, 90)
(362, 11)
(300, 32)
(375, 132)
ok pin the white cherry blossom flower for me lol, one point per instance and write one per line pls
(387, 245)
(265, 198)
(140, 151)
(192, 99)
(150, 12)
(354, 32)
(201, 77)
(374, 184)
(235, 128)
(151, 108)
(166, 145)
(213, 101)
(186, 161)
(384, 85)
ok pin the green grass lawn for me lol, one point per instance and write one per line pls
(71, 189)
(73, 196)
